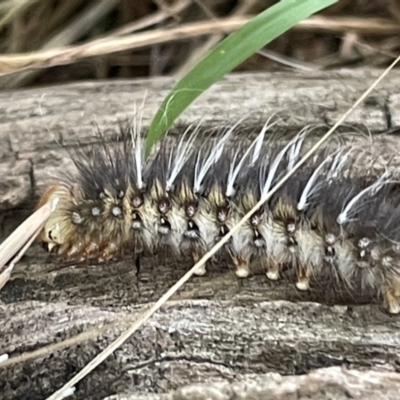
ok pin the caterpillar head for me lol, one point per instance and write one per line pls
(59, 228)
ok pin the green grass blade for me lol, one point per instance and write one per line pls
(227, 55)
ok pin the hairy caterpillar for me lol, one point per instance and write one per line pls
(326, 221)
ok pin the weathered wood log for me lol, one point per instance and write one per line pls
(217, 328)
(326, 383)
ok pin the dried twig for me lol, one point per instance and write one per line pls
(47, 58)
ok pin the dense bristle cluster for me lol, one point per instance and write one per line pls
(325, 221)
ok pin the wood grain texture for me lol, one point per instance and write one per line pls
(327, 383)
(219, 338)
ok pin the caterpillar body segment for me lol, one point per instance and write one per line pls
(327, 223)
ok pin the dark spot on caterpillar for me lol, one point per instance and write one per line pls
(193, 231)
(329, 251)
(191, 225)
(364, 243)
(330, 238)
(136, 221)
(164, 205)
(256, 218)
(258, 239)
(137, 264)
(223, 230)
(222, 214)
(165, 226)
(291, 225)
(191, 210)
(137, 201)
(291, 228)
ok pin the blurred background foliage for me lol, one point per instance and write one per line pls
(70, 40)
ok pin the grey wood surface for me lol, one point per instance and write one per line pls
(252, 338)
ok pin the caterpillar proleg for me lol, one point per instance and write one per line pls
(327, 223)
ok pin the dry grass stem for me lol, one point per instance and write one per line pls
(152, 19)
(81, 25)
(362, 26)
(147, 314)
(42, 59)
(6, 274)
(15, 246)
(24, 233)
(288, 61)
(60, 56)
(14, 9)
